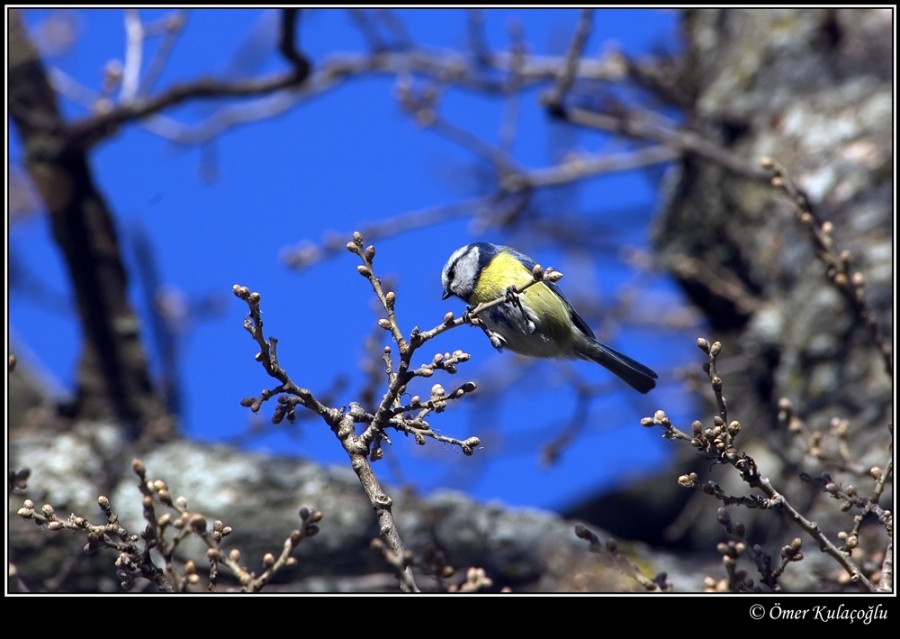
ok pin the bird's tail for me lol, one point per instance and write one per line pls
(633, 373)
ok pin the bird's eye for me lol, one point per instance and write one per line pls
(451, 274)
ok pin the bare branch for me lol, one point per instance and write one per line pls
(568, 71)
(134, 49)
(644, 126)
(850, 283)
(719, 440)
(85, 133)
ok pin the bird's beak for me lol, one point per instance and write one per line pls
(446, 294)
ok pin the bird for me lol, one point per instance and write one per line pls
(540, 321)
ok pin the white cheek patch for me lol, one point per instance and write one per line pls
(464, 264)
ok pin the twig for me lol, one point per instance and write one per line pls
(447, 67)
(554, 99)
(610, 553)
(307, 254)
(87, 132)
(172, 26)
(476, 40)
(513, 100)
(719, 441)
(134, 49)
(850, 283)
(645, 126)
(368, 30)
(395, 26)
(578, 167)
(551, 451)
(341, 424)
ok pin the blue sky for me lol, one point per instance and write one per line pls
(345, 158)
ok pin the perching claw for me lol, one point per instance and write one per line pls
(496, 340)
(513, 299)
(468, 318)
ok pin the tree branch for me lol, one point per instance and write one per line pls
(112, 372)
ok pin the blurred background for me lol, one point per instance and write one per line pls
(157, 158)
(235, 205)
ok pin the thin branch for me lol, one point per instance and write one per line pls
(134, 49)
(577, 167)
(848, 282)
(368, 29)
(475, 37)
(172, 27)
(397, 29)
(566, 78)
(287, 45)
(512, 104)
(609, 552)
(447, 67)
(307, 254)
(644, 126)
(87, 132)
(719, 440)
(341, 424)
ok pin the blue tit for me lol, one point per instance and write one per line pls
(542, 323)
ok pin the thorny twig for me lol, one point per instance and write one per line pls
(408, 418)
(163, 534)
(342, 425)
(719, 441)
(730, 551)
(391, 412)
(850, 283)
